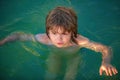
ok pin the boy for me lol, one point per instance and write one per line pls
(61, 32)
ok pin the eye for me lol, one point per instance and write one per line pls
(65, 33)
(54, 33)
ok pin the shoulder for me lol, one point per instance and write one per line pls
(42, 38)
(81, 40)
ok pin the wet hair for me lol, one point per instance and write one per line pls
(64, 18)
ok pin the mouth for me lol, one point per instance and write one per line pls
(60, 43)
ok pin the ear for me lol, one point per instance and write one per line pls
(73, 37)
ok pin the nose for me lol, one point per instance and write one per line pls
(59, 37)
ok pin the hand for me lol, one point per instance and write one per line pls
(108, 69)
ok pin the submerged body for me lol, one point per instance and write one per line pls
(62, 63)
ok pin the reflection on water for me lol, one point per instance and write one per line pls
(30, 50)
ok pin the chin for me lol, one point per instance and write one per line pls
(59, 46)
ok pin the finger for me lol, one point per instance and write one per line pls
(114, 71)
(110, 71)
(100, 71)
(106, 71)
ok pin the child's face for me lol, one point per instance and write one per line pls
(60, 38)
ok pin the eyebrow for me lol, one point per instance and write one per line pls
(56, 31)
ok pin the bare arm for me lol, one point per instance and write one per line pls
(17, 36)
(106, 54)
(106, 51)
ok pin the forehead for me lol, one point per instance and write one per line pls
(60, 29)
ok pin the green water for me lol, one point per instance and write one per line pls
(98, 20)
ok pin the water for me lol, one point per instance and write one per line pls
(97, 20)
